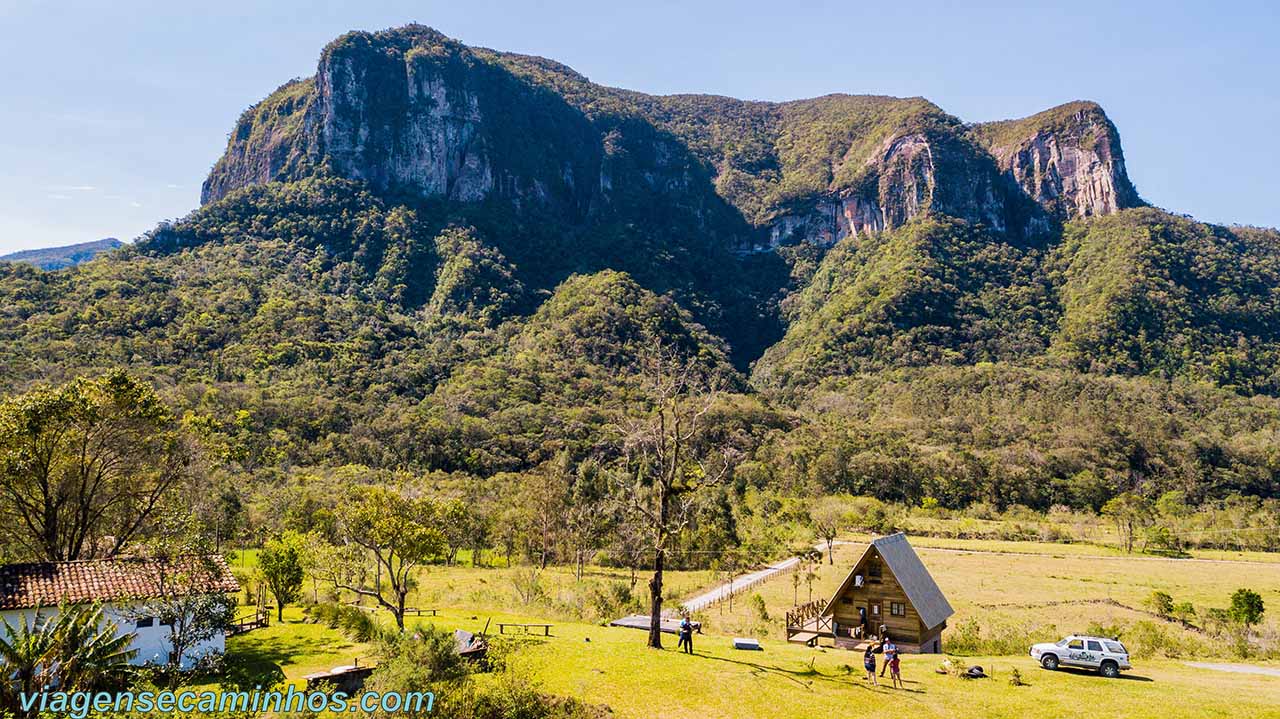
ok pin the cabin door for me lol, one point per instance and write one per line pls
(874, 619)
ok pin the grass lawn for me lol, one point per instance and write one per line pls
(615, 669)
(292, 649)
(612, 667)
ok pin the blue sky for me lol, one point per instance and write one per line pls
(111, 113)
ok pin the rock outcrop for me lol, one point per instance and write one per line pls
(911, 174)
(413, 113)
(1068, 159)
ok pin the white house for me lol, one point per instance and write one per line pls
(124, 586)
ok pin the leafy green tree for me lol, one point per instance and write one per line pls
(1129, 511)
(76, 648)
(587, 519)
(182, 565)
(280, 563)
(829, 517)
(393, 533)
(1246, 607)
(84, 466)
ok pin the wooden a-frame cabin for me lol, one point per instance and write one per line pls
(888, 592)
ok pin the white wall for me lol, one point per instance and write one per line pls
(151, 642)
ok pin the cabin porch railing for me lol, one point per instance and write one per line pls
(257, 620)
(808, 618)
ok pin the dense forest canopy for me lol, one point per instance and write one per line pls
(894, 303)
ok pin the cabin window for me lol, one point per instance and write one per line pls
(873, 570)
(846, 600)
(144, 622)
(898, 609)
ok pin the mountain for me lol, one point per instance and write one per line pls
(435, 256)
(57, 258)
(412, 112)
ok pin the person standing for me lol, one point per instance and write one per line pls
(894, 672)
(869, 663)
(890, 652)
(686, 635)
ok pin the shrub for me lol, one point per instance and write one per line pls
(611, 600)
(527, 583)
(354, 623)
(1160, 603)
(999, 639)
(1183, 611)
(1246, 607)
(758, 606)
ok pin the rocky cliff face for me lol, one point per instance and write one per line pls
(413, 113)
(912, 174)
(1068, 159)
(398, 123)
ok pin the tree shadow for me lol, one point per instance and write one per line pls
(259, 660)
(798, 676)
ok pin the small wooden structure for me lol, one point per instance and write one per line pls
(470, 646)
(247, 622)
(888, 592)
(527, 627)
(668, 625)
(349, 679)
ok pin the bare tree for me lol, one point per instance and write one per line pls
(667, 459)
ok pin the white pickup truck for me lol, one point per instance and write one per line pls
(1107, 656)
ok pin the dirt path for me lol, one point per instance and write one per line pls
(741, 582)
(1236, 668)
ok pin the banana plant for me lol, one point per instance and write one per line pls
(76, 648)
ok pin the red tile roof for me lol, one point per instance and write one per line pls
(48, 584)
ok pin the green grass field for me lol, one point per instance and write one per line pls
(612, 667)
(987, 582)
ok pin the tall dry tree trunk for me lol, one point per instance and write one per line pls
(659, 562)
(666, 462)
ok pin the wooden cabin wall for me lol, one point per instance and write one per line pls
(906, 628)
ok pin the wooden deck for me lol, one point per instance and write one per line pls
(805, 623)
(670, 625)
(249, 622)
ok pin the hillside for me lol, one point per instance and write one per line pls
(430, 256)
(57, 258)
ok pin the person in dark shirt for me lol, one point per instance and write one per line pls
(869, 663)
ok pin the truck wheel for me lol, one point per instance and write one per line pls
(1049, 661)
(1109, 669)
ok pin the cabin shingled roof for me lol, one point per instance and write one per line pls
(923, 593)
(48, 584)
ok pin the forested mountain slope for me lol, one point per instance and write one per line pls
(431, 256)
